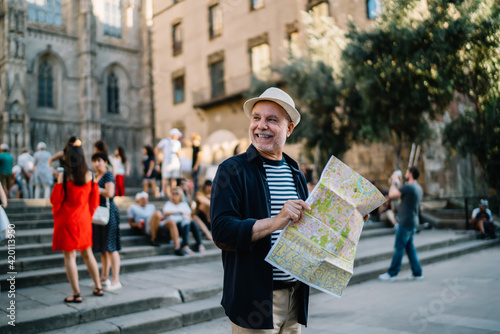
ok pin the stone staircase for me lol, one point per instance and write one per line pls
(161, 291)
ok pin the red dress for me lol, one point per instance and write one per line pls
(73, 215)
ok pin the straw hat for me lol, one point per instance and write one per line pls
(278, 96)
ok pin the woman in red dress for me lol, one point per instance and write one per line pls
(74, 199)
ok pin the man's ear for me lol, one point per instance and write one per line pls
(290, 128)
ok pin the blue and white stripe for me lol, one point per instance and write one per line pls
(281, 189)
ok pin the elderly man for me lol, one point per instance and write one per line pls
(254, 196)
(144, 217)
(482, 219)
(171, 164)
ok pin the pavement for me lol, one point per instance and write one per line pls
(164, 292)
(457, 296)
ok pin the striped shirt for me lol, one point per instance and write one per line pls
(281, 189)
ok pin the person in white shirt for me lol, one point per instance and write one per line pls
(171, 164)
(26, 161)
(145, 218)
(177, 211)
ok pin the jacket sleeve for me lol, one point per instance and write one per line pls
(94, 198)
(57, 197)
(230, 231)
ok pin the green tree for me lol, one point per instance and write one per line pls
(417, 60)
(313, 78)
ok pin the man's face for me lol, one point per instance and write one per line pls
(143, 201)
(269, 128)
(482, 208)
(407, 175)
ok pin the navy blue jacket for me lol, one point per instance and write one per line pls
(240, 196)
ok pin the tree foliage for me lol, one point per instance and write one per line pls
(385, 83)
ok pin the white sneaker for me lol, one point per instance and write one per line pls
(113, 287)
(415, 278)
(106, 283)
(388, 278)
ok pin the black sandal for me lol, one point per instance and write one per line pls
(98, 292)
(74, 300)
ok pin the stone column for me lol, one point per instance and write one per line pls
(13, 100)
(89, 89)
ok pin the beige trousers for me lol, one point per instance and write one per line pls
(285, 314)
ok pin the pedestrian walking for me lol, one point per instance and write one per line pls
(74, 200)
(43, 178)
(106, 238)
(148, 166)
(196, 162)
(121, 168)
(6, 164)
(171, 164)
(26, 162)
(411, 195)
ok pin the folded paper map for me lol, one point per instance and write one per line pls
(319, 249)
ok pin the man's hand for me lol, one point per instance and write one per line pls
(292, 210)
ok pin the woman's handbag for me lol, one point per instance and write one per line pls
(101, 214)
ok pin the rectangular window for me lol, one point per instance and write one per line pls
(256, 4)
(177, 39)
(112, 20)
(260, 60)
(215, 20)
(294, 44)
(374, 8)
(217, 79)
(45, 11)
(320, 10)
(179, 89)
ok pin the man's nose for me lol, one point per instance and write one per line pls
(262, 124)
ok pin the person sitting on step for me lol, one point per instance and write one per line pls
(482, 219)
(144, 218)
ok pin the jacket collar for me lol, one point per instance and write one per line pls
(253, 154)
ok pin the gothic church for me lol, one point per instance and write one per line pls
(76, 67)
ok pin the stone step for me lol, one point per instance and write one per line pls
(22, 219)
(153, 321)
(43, 205)
(363, 259)
(372, 270)
(40, 236)
(56, 259)
(58, 274)
(177, 317)
(142, 292)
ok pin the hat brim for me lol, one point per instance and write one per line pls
(291, 111)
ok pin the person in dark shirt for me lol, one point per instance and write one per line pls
(246, 210)
(411, 195)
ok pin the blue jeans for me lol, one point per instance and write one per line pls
(404, 241)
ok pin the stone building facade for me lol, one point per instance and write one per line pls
(205, 53)
(76, 67)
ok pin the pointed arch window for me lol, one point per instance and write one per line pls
(113, 94)
(45, 85)
(45, 11)
(113, 18)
